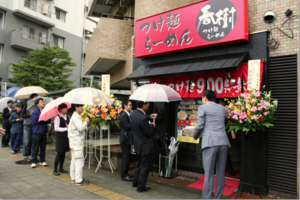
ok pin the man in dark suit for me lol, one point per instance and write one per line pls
(125, 123)
(143, 144)
(6, 124)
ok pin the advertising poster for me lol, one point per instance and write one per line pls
(186, 122)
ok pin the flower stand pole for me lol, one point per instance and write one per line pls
(254, 151)
(106, 128)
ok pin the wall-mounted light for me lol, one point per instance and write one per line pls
(270, 16)
(232, 81)
(192, 81)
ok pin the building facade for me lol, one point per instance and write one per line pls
(29, 24)
(111, 52)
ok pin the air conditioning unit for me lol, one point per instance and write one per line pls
(43, 37)
(45, 10)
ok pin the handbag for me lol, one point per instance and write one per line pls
(129, 136)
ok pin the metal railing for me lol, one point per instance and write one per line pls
(35, 38)
(40, 9)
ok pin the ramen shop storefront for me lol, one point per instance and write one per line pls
(190, 49)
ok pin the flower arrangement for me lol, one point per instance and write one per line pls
(252, 110)
(101, 113)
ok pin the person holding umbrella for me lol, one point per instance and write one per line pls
(76, 135)
(6, 124)
(143, 144)
(27, 130)
(61, 124)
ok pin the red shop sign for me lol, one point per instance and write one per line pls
(202, 24)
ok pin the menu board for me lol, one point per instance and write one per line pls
(186, 122)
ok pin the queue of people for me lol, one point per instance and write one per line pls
(70, 135)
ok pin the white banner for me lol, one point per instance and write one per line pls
(105, 83)
(253, 74)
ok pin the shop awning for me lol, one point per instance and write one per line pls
(222, 63)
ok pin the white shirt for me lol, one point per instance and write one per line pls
(76, 132)
(57, 128)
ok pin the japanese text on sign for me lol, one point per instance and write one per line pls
(254, 74)
(105, 83)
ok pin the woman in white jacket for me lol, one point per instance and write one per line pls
(76, 135)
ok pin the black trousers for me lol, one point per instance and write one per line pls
(142, 171)
(39, 141)
(6, 137)
(126, 152)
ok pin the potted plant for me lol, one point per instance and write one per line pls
(252, 114)
(102, 114)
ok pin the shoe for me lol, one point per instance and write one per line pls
(144, 190)
(131, 176)
(231, 172)
(13, 152)
(127, 178)
(83, 182)
(33, 165)
(43, 164)
(56, 173)
(73, 181)
(8, 145)
(63, 171)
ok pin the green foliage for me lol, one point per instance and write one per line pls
(48, 68)
(87, 83)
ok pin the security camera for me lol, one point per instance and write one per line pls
(270, 17)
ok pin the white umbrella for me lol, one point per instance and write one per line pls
(31, 103)
(155, 93)
(88, 96)
(3, 103)
(25, 92)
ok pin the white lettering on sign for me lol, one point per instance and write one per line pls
(200, 85)
(215, 85)
(254, 74)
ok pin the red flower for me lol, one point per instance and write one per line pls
(260, 97)
(230, 117)
(242, 120)
(260, 119)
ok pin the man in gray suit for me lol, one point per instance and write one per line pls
(211, 117)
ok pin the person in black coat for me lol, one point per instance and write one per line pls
(143, 143)
(61, 124)
(125, 123)
(6, 124)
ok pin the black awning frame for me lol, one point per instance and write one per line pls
(141, 72)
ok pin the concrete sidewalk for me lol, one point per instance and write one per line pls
(21, 181)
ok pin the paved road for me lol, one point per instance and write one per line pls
(23, 182)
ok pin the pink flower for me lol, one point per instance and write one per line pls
(97, 111)
(236, 111)
(259, 108)
(254, 100)
(254, 117)
(116, 107)
(235, 117)
(246, 95)
(228, 111)
(254, 109)
(95, 106)
(247, 100)
(248, 106)
(264, 104)
(265, 113)
(238, 103)
(243, 115)
(230, 106)
(256, 93)
(242, 108)
(232, 112)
